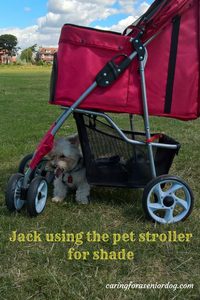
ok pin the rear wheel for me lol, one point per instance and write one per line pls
(24, 163)
(40, 170)
(167, 199)
(37, 196)
(13, 192)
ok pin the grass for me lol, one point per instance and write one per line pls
(40, 270)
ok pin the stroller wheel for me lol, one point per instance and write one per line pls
(13, 193)
(37, 196)
(167, 199)
(40, 169)
(24, 163)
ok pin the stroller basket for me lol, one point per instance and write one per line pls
(111, 161)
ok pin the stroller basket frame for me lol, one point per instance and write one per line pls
(112, 161)
(35, 192)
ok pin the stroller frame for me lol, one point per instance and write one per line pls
(68, 111)
(35, 192)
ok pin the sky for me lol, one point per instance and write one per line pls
(40, 21)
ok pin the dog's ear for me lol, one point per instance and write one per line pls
(74, 139)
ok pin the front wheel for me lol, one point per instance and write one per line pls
(37, 196)
(13, 193)
(167, 199)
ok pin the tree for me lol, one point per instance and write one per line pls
(9, 42)
(27, 54)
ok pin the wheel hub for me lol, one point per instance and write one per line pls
(39, 196)
(168, 201)
(18, 199)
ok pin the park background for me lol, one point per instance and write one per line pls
(41, 270)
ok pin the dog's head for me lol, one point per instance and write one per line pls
(65, 153)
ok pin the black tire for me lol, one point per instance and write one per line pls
(164, 200)
(24, 164)
(12, 194)
(39, 170)
(37, 196)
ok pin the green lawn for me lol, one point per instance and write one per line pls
(41, 270)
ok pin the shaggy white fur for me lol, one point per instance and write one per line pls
(70, 172)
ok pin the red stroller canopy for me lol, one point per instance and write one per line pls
(172, 69)
(160, 14)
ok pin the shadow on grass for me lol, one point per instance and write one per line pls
(127, 200)
(114, 196)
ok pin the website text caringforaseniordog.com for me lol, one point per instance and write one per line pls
(132, 285)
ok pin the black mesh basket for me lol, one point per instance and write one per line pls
(111, 161)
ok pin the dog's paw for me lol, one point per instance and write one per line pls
(57, 199)
(83, 200)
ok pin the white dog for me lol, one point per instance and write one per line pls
(67, 159)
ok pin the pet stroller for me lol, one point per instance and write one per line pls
(150, 69)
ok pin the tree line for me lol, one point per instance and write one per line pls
(8, 42)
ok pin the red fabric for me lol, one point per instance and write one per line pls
(164, 16)
(154, 137)
(44, 147)
(83, 52)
